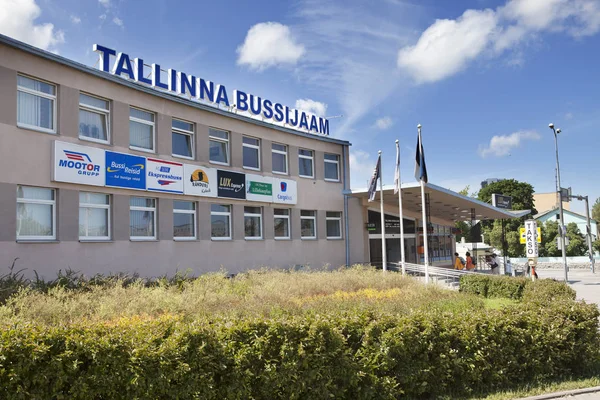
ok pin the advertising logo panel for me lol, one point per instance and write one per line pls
(259, 188)
(78, 164)
(231, 184)
(199, 181)
(164, 176)
(285, 191)
(125, 171)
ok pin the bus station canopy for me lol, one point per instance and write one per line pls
(443, 203)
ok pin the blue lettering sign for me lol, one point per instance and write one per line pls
(125, 171)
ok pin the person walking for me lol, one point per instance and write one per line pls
(494, 264)
(458, 262)
(470, 264)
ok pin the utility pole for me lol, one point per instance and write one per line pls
(560, 207)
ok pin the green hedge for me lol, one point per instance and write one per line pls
(492, 286)
(354, 356)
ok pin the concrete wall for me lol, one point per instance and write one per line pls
(25, 159)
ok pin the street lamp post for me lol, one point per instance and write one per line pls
(560, 206)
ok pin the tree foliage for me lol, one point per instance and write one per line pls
(522, 199)
(596, 210)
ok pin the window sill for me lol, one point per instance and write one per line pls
(221, 239)
(36, 129)
(219, 163)
(253, 239)
(191, 239)
(251, 168)
(96, 241)
(142, 149)
(281, 173)
(143, 240)
(306, 177)
(332, 180)
(99, 141)
(335, 238)
(282, 238)
(309, 238)
(183, 157)
(37, 241)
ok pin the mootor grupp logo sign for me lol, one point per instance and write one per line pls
(78, 164)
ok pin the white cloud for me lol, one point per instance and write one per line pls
(448, 46)
(269, 44)
(118, 21)
(361, 168)
(312, 106)
(501, 145)
(384, 123)
(102, 17)
(17, 20)
(75, 19)
(105, 3)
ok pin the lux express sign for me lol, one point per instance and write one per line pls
(78, 164)
(199, 89)
(231, 184)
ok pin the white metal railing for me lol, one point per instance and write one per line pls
(447, 275)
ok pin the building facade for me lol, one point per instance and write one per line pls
(569, 217)
(100, 174)
(548, 201)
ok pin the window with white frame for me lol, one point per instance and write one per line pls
(142, 218)
(334, 224)
(281, 220)
(94, 216)
(280, 158)
(36, 104)
(220, 222)
(218, 146)
(184, 220)
(253, 222)
(36, 213)
(183, 139)
(251, 153)
(94, 118)
(306, 163)
(141, 130)
(308, 224)
(332, 167)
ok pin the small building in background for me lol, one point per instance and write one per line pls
(569, 216)
(547, 201)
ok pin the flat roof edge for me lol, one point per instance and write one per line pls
(103, 75)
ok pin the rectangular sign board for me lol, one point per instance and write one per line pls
(531, 244)
(164, 176)
(501, 201)
(284, 191)
(125, 171)
(231, 184)
(199, 181)
(78, 164)
(522, 238)
(259, 188)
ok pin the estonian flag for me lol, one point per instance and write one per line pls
(420, 167)
(373, 182)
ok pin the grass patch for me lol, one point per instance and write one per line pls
(536, 390)
(498, 303)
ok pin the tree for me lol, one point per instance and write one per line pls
(577, 244)
(596, 211)
(463, 227)
(522, 199)
(549, 247)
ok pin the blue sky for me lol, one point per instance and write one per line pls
(483, 77)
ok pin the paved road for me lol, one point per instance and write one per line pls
(584, 282)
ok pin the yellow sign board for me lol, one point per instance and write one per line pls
(538, 236)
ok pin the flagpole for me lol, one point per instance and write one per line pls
(399, 188)
(424, 212)
(383, 249)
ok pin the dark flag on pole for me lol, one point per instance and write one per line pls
(420, 167)
(373, 182)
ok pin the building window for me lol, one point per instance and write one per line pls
(184, 220)
(93, 118)
(280, 162)
(220, 222)
(94, 216)
(334, 224)
(306, 163)
(282, 223)
(142, 218)
(332, 167)
(36, 104)
(251, 153)
(308, 224)
(253, 222)
(36, 213)
(183, 139)
(219, 146)
(141, 130)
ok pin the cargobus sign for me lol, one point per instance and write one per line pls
(125, 171)
(284, 191)
(78, 164)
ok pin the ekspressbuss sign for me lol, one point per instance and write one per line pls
(78, 164)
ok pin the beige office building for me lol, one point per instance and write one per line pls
(101, 174)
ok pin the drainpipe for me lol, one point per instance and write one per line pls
(346, 217)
